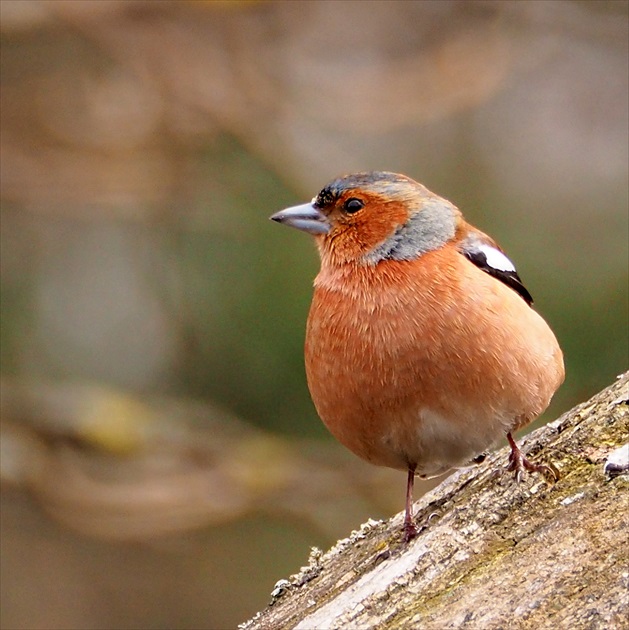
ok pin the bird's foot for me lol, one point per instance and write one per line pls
(518, 463)
(410, 531)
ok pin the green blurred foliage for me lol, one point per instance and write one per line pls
(246, 295)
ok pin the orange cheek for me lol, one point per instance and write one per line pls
(353, 237)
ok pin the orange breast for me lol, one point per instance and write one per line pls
(426, 362)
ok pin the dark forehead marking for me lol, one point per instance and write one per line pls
(381, 182)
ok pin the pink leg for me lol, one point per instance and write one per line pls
(518, 463)
(410, 530)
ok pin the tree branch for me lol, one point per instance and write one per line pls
(491, 553)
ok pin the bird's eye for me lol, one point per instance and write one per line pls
(353, 205)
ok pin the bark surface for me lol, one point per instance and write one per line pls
(491, 553)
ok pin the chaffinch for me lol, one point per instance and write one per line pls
(422, 347)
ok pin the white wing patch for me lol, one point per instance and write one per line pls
(496, 258)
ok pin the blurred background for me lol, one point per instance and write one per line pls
(162, 464)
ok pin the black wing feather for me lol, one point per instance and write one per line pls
(510, 278)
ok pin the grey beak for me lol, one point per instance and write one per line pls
(304, 217)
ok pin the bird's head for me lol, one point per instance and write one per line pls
(365, 218)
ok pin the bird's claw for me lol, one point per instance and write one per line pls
(410, 531)
(518, 463)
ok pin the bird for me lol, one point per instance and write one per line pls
(422, 346)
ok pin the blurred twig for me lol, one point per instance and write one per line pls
(116, 466)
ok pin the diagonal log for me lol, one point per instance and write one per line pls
(490, 553)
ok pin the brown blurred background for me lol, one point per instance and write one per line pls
(162, 465)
